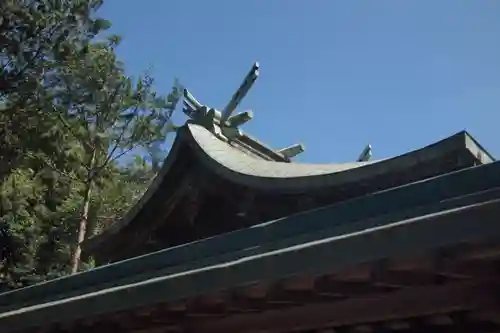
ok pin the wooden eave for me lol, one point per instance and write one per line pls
(419, 286)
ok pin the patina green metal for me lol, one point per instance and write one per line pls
(223, 124)
(238, 96)
(366, 154)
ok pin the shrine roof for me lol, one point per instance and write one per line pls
(238, 167)
(212, 145)
(232, 163)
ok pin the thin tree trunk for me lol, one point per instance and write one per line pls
(84, 219)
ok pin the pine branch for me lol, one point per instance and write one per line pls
(73, 133)
(52, 166)
(118, 140)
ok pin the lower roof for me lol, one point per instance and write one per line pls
(425, 197)
(466, 219)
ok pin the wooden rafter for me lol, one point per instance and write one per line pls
(407, 303)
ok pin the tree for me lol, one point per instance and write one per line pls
(37, 241)
(108, 117)
(36, 37)
(68, 116)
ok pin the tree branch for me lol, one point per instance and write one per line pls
(53, 167)
(118, 140)
(70, 129)
(120, 155)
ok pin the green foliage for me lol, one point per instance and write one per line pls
(105, 111)
(107, 115)
(68, 116)
(37, 38)
(33, 239)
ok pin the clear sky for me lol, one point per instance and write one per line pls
(335, 75)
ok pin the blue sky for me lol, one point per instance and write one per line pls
(335, 75)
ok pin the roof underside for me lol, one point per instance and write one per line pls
(449, 233)
(195, 149)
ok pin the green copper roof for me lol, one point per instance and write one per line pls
(452, 153)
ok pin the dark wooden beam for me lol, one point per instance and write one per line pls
(402, 304)
(486, 252)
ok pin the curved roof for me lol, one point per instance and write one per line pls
(245, 168)
(242, 168)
